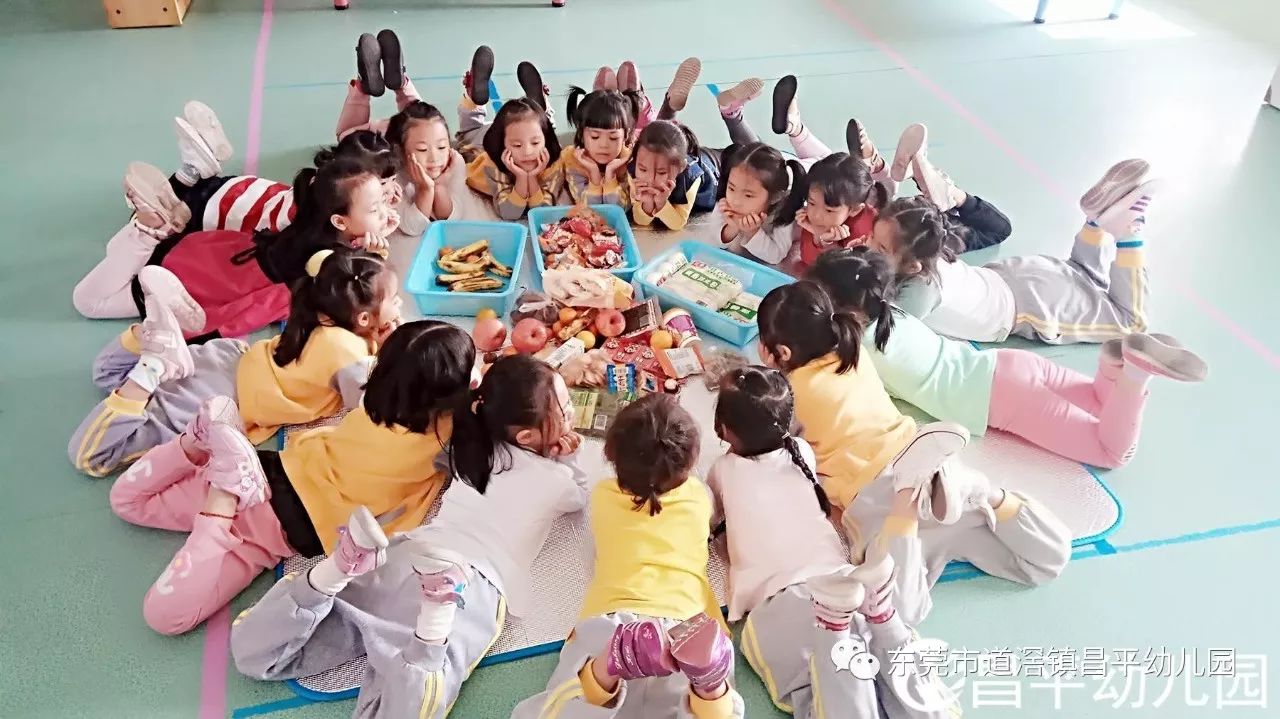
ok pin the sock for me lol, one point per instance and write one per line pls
(147, 373)
(187, 175)
(326, 578)
(794, 128)
(1136, 375)
(435, 620)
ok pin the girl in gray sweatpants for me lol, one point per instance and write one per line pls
(426, 606)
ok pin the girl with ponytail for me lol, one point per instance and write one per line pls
(342, 310)
(760, 193)
(885, 474)
(1010, 389)
(789, 573)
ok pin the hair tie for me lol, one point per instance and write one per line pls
(316, 262)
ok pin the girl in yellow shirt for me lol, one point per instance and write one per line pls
(646, 645)
(889, 477)
(246, 510)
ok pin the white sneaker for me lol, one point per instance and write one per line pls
(934, 183)
(1127, 216)
(146, 187)
(206, 122)
(1118, 181)
(914, 467)
(911, 143)
(198, 160)
(836, 596)
(954, 488)
(167, 290)
(876, 576)
(1157, 356)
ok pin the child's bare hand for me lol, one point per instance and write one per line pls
(509, 160)
(839, 233)
(392, 192)
(544, 159)
(418, 174)
(616, 168)
(372, 243)
(383, 333)
(665, 188)
(751, 223)
(567, 445)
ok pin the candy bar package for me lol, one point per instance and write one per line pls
(643, 318)
(708, 286)
(742, 308)
(595, 410)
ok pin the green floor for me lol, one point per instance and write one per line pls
(1020, 114)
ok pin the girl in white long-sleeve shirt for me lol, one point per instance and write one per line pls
(429, 604)
(791, 576)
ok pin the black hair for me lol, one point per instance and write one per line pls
(416, 111)
(422, 372)
(653, 444)
(520, 108)
(859, 280)
(364, 146)
(669, 139)
(845, 180)
(602, 110)
(925, 234)
(345, 285)
(757, 406)
(317, 196)
(518, 392)
(775, 172)
(801, 316)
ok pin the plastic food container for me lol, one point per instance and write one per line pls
(506, 242)
(614, 215)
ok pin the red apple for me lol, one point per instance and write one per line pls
(610, 323)
(489, 334)
(530, 336)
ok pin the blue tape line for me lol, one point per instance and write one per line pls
(494, 97)
(1104, 547)
(1128, 244)
(714, 88)
(270, 707)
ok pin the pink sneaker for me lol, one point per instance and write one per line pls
(213, 412)
(629, 77)
(168, 291)
(606, 79)
(162, 339)
(732, 100)
(443, 576)
(911, 143)
(233, 466)
(682, 83)
(146, 188)
(640, 649)
(703, 653)
(1162, 355)
(836, 596)
(362, 545)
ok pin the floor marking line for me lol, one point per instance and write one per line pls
(253, 141)
(281, 705)
(995, 138)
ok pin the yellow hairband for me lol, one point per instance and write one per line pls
(316, 261)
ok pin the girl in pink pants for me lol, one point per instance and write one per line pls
(1095, 420)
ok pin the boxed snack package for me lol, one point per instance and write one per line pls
(708, 286)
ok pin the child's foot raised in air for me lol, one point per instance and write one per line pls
(164, 355)
(703, 653)
(162, 287)
(198, 160)
(147, 190)
(1157, 354)
(1119, 180)
(362, 548)
(732, 100)
(935, 184)
(786, 113)
(369, 65)
(205, 121)
(233, 466)
(392, 60)
(835, 596)
(531, 83)
(915, 467)
(1125, 219)
(606, 79)
(910, 143)
(876, 576)
(860, 145)
(682, 84)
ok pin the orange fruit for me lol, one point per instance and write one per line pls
(662, 340)
(486, 313)
(587, 338)
(567, 315)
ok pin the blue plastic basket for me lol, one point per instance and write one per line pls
(506, 242)
(614, 215)
(755, 278)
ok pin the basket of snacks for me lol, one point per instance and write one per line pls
(596, 237)
(721, 290)
(463, 267)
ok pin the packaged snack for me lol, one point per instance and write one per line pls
(680, 323)
(742, 308)
(599, 410)
(644, 317)
(582, 287)
(708, 286)
(621, 378)
(532, 303)
(680, 362)
(669, 267)
(571, 348)
(582, 239)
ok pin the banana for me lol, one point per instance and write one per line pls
(471, 249)
(450, 279)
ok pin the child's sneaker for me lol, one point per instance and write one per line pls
(1162, 355)
(161, 339)
(606, 79)
(362, 545)
(703, 653)
(836, 596)
(786, 115)
(910, 143)
(233, 466)
(531, 83)
(392, 60)
(205, 121)
(1127, 216)
(369, 65)
(214, 411)
(1119, 180)
(732, 100)
(682, 83)
(1112, 352)
(640, 649)
(955, 487)
(629, 77)
(934, 184)
(860, 145)
(915, 466)
(146, 188)
(168, 291)
(442, 575)
(876, 576)
(476, 82)
(197, 158)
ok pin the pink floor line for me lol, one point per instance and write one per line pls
(217, 630)
(1046, 180)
